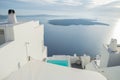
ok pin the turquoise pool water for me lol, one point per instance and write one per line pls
(59, 62)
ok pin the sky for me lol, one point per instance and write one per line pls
(73, 7)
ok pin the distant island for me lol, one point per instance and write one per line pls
(68, 22)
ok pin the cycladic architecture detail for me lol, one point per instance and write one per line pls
(108, 62)
(111, 55)
(12, 17)
(113, 45)
(20, 43)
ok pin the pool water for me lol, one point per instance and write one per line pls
(59, 62)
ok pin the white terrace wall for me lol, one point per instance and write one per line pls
(33, 34)
(13, 55)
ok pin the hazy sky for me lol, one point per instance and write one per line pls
(29, 7)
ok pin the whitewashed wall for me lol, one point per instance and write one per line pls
(104, 57)
(109, 59)
(14, 54)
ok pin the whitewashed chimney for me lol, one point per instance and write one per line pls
(113, 45)
(11, 16)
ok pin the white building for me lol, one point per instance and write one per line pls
(18, 43)
(111, 55)
(108, 63)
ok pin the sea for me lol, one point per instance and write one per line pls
(69, 35)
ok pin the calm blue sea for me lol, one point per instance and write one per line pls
(68, 34)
